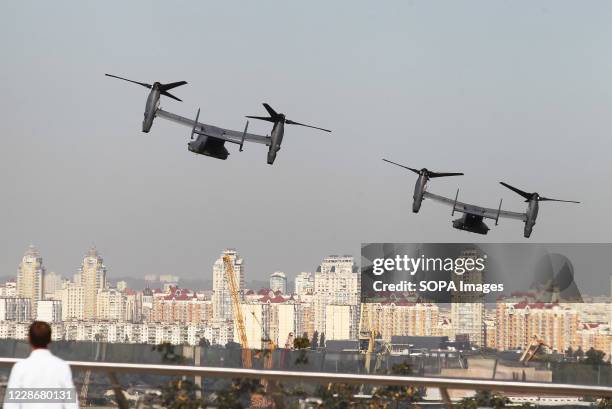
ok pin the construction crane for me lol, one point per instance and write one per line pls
(371, 339)
(533, 348)
(247, 360)
(367, 337)
(268, 345)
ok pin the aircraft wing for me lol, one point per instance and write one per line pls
(476, 210)
(214, 131)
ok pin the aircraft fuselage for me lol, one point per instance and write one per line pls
(472, 223)
(207, 146)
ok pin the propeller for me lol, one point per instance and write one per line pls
(426, 172)
(163, 88)
(278, 117)
(534, 195)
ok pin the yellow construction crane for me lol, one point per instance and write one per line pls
(247, 360)
(366, 335)
(534, 346)
(268, 345)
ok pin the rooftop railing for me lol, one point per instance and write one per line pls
(443, 384)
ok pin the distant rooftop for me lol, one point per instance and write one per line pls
(32, 251)
(340, 345)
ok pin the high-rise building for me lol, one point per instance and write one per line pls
(254, 324)
(110, 305)
(179, 305)
(93, 278)
(336, 283)
(53, 283)
(304, 284)
(468, 308)
(278, 282)
(121, 285)
(147, 304)
(9, 289)
(517, 324)
(339, 322)
(49, 311)
(222, 303)
(72, 296)
(285, 319)
(304, 318)
(133, 306)
(207, 310)
(15, 309)
(219, 332)
(400, 318)
(30, 277)
(597, 336)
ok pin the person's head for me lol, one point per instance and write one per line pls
(39, 334)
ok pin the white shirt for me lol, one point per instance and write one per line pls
(41, 369)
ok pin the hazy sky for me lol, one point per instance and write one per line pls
(519, 91)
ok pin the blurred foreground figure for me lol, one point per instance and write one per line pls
(42, 380)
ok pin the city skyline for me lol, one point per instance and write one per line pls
(325, 303)
(205, 280)
(93, 273)
(203, 275)
(422, 83)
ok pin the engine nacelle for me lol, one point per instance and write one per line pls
(271, 156)
(419, 190)
(417, 202)
(150, 110)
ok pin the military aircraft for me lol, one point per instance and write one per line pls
(278, 130)
(210, 140)
(473, 215)
(152, 104)
(533, 206)
(421, 183)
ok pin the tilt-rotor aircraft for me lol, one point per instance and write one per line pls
(210, 140)
(473, 215)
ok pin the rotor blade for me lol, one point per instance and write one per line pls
(443, 174)
(272, 112)
(546, 199)
(290, 122)
(166, 87)
(169, 95)
(519, 191)
(263, 118)
(402, 166)
(144, 84)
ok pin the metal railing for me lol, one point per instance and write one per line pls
(441, 383)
